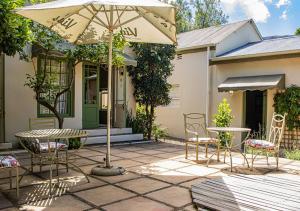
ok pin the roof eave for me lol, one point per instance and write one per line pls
(216, 59)
(195, 47)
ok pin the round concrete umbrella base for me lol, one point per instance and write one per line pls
(104, 171)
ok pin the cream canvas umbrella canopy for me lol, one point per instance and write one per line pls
(94, 21)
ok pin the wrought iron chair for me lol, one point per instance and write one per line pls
(40, 149)
(9, 162)
(197, 134)
(272, 144)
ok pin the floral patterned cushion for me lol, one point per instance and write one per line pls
(44, 147)
(37, 147)
(8, 161)
(262, 144)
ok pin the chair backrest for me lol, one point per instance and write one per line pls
(277, 129)
(195, 122)
(42, 123)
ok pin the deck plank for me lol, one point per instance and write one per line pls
(248, 192)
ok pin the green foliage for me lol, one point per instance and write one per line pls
(137, 122)
(159, 132)
(289, 102)
(223, 119)
(208, 13)
(205, 13)
(183, 16)
(74, 143)
(297, 31)
(150, 76)
(292, 155)
(14, 30)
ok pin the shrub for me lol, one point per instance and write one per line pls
(158, 132)
(74, 143)
(293, 155)
(137, 122)
(223, 118)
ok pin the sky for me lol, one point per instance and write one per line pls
(273, 17)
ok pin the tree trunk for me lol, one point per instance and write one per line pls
(151, 119)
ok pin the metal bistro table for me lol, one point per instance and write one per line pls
(229, 147)
(50, 141)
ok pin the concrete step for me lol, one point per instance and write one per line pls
(114, 138)
(113, 131)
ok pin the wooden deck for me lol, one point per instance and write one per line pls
(248, 192)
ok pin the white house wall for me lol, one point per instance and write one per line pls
(244, 35)
(289, 67)
(190, 74)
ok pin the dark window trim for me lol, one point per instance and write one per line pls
(71, 104)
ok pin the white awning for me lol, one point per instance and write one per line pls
(261, 82)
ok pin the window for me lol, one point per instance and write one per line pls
(58, 70)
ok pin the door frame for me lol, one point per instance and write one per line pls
(265, 108)
(2, 95)
(83, 94)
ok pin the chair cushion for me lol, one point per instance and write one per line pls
(8, 161)
(44, 147)
(260, 144)
(203, 140)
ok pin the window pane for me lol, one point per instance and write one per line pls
(57, 71)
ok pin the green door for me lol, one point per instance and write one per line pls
(90, 113)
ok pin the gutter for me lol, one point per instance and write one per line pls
(216, 59)
(195, 47)
(207, 87)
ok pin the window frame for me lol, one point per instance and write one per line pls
(71, 96)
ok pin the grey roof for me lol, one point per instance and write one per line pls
(207, 36)
(268, 46)
(260, 82)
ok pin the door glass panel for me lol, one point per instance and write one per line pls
(90, 85)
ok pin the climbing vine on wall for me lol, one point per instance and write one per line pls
(289, 102)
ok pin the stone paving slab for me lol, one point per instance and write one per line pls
(158, 177)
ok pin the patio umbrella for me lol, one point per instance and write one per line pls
(94, 21)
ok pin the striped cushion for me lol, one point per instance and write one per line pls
(260, 144)
(8, 161)
(203, 140)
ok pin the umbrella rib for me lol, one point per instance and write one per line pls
(158, 16)
(106, 26)
(90, 21)
(108, 21)
(139, 12)
(119, 15)
(128, 21)
(94, 21)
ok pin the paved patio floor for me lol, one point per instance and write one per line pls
(158, 177)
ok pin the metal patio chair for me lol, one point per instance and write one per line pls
(272, 144)
(8, 162)
(197, 134)
(40, 149)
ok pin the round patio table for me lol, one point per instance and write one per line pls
(229, 143)
(48, 136)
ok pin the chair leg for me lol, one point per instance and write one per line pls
(17, 182)
(57, 165)
(197, 151)
(252, 159)
(31, 163)
(10, 178)
(186, 150)
(218, 152)
(41, 163)
(50, 182)
(277, 160)
(206, 150)
(67, 160)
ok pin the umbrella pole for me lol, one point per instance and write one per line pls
(109, 98)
